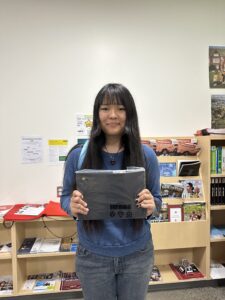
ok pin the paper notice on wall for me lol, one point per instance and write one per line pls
(31, 150)
(83, 124)
(58, 150)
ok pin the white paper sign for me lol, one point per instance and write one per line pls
(32, 150)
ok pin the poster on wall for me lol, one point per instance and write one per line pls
(217, 111)
(31, 150)
(217, 67)
(57, 150)
(83, 124)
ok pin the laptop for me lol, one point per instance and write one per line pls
(111, 194)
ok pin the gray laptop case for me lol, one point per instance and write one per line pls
(111, 194)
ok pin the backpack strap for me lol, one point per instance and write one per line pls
(82, 154)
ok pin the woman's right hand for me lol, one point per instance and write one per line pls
(77, 204)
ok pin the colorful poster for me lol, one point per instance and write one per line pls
(217, 111)
(217, 67)
(58, 150)
(83, 124)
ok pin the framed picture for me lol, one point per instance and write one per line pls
(175, 213)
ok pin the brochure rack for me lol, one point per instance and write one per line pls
(174, 241)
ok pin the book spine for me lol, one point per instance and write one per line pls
(223, 190)
(223, 159)
(219, 160)
(212, 192)
(213, 154)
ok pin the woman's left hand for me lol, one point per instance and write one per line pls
(146, 200)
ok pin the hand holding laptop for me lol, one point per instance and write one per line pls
(77, 204)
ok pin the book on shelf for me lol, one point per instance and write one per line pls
(188, 167)
(155, 275)
(6, 248)
(26, 246)
(6, 285)
(39, 245)
(192, 188)
(50, 245)
(28, 285)
(216, 232)
(73, 247)
(167, 169)
(66, 244)
(217, 159)
(194, 211)
(217, 270)
(70, 281)
(217, 190)
(171, 190)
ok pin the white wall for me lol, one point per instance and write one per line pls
(56, 54)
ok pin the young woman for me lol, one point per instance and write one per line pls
(114, 257)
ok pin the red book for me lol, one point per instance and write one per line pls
(54, 209)
(23, 212)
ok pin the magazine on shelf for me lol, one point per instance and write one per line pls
(70, 281)
(188, 167)
(192, 188)
(194, 211)
(50, 245)
(111, 194)
(36, 246)
(167, 169)
(171, 190)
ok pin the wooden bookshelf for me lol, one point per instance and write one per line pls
(175, 241)
(216, 212)
(172, 241)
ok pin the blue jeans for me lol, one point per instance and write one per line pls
(115, 278)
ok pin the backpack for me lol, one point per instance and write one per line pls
(82, 154)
